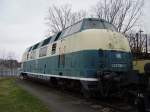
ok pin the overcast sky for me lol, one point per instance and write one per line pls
(22, 22)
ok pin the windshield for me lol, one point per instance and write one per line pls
(97, 24)
(109, 26)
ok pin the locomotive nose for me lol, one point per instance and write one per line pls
(116, 61)
(117, 41)
(120, 61)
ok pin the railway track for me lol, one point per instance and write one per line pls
(107, 105)
(113, 106)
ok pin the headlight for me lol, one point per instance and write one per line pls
(118, 65)
(118, 55)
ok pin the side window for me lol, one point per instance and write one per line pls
(66, 32)
(28, 52)
(46, 41)
(35, 46)
(57, 36)
(93, 24)
(72, 29)
(27, 55)
(75, 28)
(43, 51)
(29, 49)
(54, 48)
(33, 54)
(109, 26)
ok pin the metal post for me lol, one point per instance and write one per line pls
(146, 44)
(137, 41)
(140, 41)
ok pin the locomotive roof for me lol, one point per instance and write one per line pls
(61, 34)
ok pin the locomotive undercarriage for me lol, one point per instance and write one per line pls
(108, 84)
(136, 91)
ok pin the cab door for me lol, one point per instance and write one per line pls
(61, 57)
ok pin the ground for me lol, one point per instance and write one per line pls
(14, 99)
(58, 101)
(31, 96)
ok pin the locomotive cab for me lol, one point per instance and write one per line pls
(112, 51)
(107, 55)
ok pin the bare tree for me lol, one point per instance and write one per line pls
(60, 17)
(7, 56)
(11, 62)
(138, 42)
(2, 54)
(11, 56)
(124, 14)
(8, 63)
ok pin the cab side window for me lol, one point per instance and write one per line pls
(43, 51)
(54, 48)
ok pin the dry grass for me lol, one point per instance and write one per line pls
(14, 99)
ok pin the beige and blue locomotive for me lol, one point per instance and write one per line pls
(90, 53)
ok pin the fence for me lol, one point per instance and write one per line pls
(5, 73)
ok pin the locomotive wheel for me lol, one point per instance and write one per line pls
(86, 93)
(21, 77)
(105, 88)
(53, 82)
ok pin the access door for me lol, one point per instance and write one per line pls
(61, 57)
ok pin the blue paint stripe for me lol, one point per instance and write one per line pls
(81, 64)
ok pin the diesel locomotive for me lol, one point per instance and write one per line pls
(90, 56)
